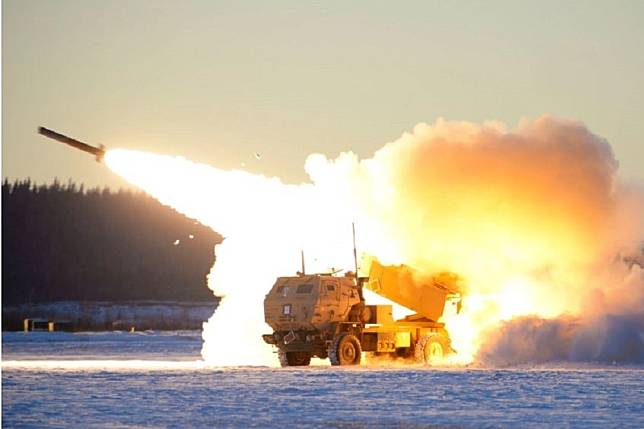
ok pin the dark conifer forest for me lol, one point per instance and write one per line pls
(61, 242)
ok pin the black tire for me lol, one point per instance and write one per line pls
(404, 352)
(431, 349)
(294, 358)
(345, 350)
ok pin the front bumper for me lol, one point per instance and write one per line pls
(294, 341)
(269, 339)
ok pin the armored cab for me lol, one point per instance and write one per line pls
(306, 303)
(305, 312)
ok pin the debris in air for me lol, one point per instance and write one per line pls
(176, 242)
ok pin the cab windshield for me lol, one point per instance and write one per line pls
(305, 288)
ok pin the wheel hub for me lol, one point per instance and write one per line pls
(348, 352)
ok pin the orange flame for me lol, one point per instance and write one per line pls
(521, 215)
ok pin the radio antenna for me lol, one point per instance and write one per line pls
(303, 268)
(355, 252)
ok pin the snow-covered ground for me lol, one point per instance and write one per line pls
(156, 380)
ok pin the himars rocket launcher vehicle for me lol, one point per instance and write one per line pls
(326, 316)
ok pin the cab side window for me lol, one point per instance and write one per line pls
(330, 289)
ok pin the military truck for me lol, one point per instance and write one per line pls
(326, 316)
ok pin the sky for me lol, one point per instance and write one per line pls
(218, 82)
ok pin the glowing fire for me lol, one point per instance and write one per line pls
(522, 216)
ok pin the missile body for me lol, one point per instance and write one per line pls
(98, 152)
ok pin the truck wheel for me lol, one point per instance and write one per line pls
(294, 358)
(404, 352)
(345, 350)
(430, 349)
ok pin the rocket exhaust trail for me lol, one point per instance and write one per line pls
(530, 218)
(98, 152)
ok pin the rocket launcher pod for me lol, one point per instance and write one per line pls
(398, 284)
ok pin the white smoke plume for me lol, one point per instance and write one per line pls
(609, 329)
(533, 220)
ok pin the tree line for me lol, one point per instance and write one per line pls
(61, 242)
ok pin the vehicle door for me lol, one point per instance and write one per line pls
(330, 295)
(346, 298)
